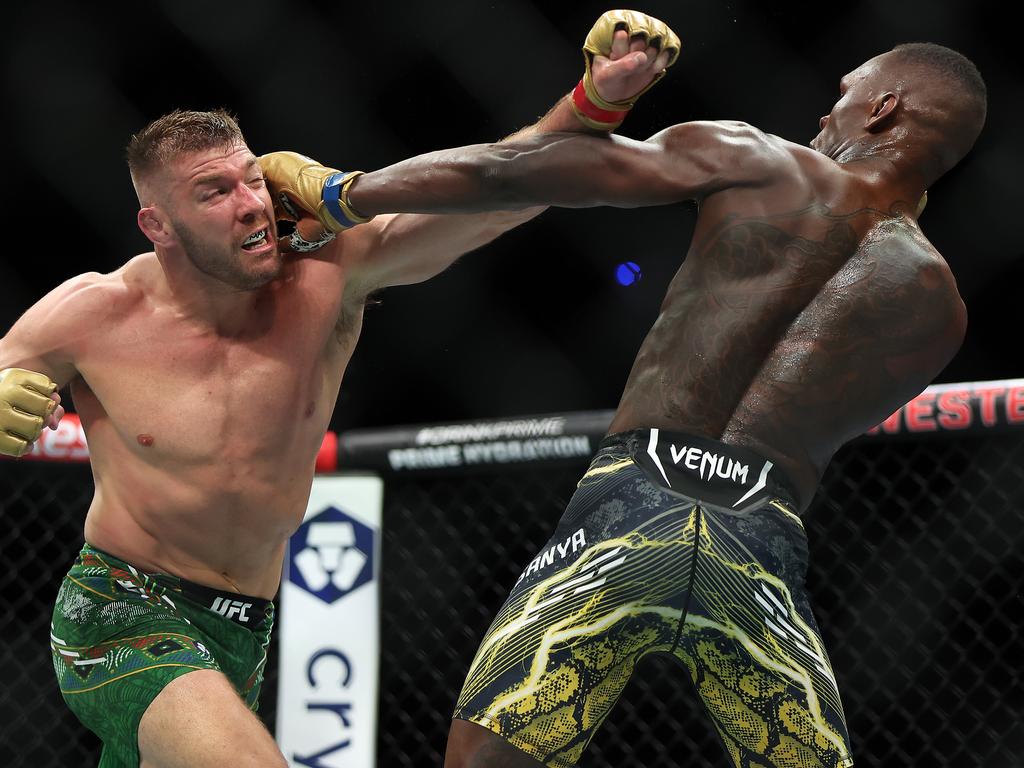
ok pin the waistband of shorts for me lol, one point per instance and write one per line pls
(245, 610)
(704, 469)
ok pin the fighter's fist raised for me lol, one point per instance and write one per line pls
(27, 404)
(625, 53)
(301, 187)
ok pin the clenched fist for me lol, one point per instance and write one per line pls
(28, 402)
(300, 185)
(625, 53)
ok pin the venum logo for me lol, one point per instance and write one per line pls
(332, 555)
(708, 465)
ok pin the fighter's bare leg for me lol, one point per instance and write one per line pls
(473, 746)
(199, 721)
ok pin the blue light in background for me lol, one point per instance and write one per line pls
(627, 273)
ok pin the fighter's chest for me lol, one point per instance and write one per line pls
(177, 385)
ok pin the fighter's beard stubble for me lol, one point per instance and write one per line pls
(226, 265)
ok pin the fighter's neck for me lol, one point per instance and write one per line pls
(204, 300)
(889, 174)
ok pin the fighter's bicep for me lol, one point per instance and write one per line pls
(411, 247)
(33, 353)
(45, 337)
(683, 162)
(363, 255)
(396, 249)
(700, 158)
(583, 171)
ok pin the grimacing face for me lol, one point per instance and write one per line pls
(222, 214)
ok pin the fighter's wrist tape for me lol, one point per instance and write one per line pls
(595, 112)
(335, 197)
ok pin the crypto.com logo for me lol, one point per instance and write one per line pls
(331, 555)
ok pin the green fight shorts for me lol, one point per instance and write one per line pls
(673, 545)
(120, 635)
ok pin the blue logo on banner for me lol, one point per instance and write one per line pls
(331, 555)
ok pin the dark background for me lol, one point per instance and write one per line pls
(534, 322)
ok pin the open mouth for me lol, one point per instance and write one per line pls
(256, 240)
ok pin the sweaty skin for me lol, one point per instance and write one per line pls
(205, 403)
(809, 305)
(791, 330)
(203, 464)
(205, 377)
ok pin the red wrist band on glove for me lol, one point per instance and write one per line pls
(588, 109)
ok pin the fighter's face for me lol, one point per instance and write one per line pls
(845, 123)
(222, 215)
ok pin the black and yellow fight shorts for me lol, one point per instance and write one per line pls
(676, 545)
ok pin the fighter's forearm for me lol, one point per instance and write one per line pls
(461, 180)
(467, 179)
(543, 169)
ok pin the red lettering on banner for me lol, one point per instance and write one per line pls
(65, 443)
(921, 413)
(1015, 405)
(955, 409)
(987, 398)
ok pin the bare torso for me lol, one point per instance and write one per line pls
(804, 314)
(203, 445)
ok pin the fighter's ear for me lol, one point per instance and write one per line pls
(154, 225)
(883, 110)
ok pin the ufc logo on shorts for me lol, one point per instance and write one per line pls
(229, 609)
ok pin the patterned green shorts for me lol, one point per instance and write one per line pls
(119, 636)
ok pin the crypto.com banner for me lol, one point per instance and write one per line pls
(330, 626)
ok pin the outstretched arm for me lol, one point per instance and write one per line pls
(686, 161)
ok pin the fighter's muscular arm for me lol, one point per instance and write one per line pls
(36, 360)
(686, 161)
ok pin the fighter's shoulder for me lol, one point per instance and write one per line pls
(91, 292)
(903, 241)
(734, 133)
(320, 276)
(732, 151)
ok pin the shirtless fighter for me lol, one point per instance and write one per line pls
(205, 373)
(808, 308)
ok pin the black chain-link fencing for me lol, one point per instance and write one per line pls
(917, 573)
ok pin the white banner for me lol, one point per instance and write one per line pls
(329, 629)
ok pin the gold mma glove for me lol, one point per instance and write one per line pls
(300, 184)
(25, 405)
(591, 109)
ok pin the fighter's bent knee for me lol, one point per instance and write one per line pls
(473, 746)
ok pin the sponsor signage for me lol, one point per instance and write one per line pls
(65, 443)
(975, 407)
(969, 407)
(534, 439)
(329, 630)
